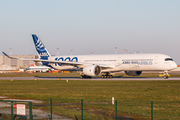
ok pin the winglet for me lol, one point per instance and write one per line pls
(9, 56)
(5, 54)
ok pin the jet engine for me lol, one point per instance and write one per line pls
(133, 73)
(92, 70)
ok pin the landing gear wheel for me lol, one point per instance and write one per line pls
(84, 76)
(166, 77)
(107, 75)
(102, 76)
(89, 77)
(111, 76)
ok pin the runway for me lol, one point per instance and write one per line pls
(94, 78)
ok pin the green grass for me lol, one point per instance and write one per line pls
(104, 90)
(128, 93)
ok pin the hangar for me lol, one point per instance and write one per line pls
(15, 63)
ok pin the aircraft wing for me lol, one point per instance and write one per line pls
(49, 61)
(60, 62)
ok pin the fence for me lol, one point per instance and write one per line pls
(13, 110)
(91, 109)
(126, 110)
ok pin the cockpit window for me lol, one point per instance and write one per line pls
(168, 59)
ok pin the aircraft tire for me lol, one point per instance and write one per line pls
(85, 77)
(82, 77)
(111, 76)
(165, 77)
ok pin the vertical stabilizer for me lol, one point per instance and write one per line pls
(40, 48)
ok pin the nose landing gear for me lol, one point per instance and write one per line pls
(165, 75)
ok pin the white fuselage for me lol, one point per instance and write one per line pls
(38, 68)
(119, 62)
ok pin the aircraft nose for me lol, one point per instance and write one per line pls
(174, 65)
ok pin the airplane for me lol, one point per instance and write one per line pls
(38, 68)
(95, 65)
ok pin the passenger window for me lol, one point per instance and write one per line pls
(168, 59)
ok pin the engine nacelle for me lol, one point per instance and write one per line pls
(133, 73)
(92, 70)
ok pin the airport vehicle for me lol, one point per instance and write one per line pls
(94, 65)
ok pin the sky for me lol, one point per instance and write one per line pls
(86, 26)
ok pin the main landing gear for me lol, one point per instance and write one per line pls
(85, 76)
(107, 75)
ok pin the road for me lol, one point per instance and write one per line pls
(94, 78)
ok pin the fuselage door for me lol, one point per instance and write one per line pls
(81, 59)
(156, 60)
(119, 60)
(118, 63)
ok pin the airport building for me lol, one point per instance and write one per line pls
(15, 63)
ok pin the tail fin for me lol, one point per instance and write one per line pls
(40, 48)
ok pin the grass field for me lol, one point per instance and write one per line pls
(159, 91)
(121, 90)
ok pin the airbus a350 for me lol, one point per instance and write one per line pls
(95, 65)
